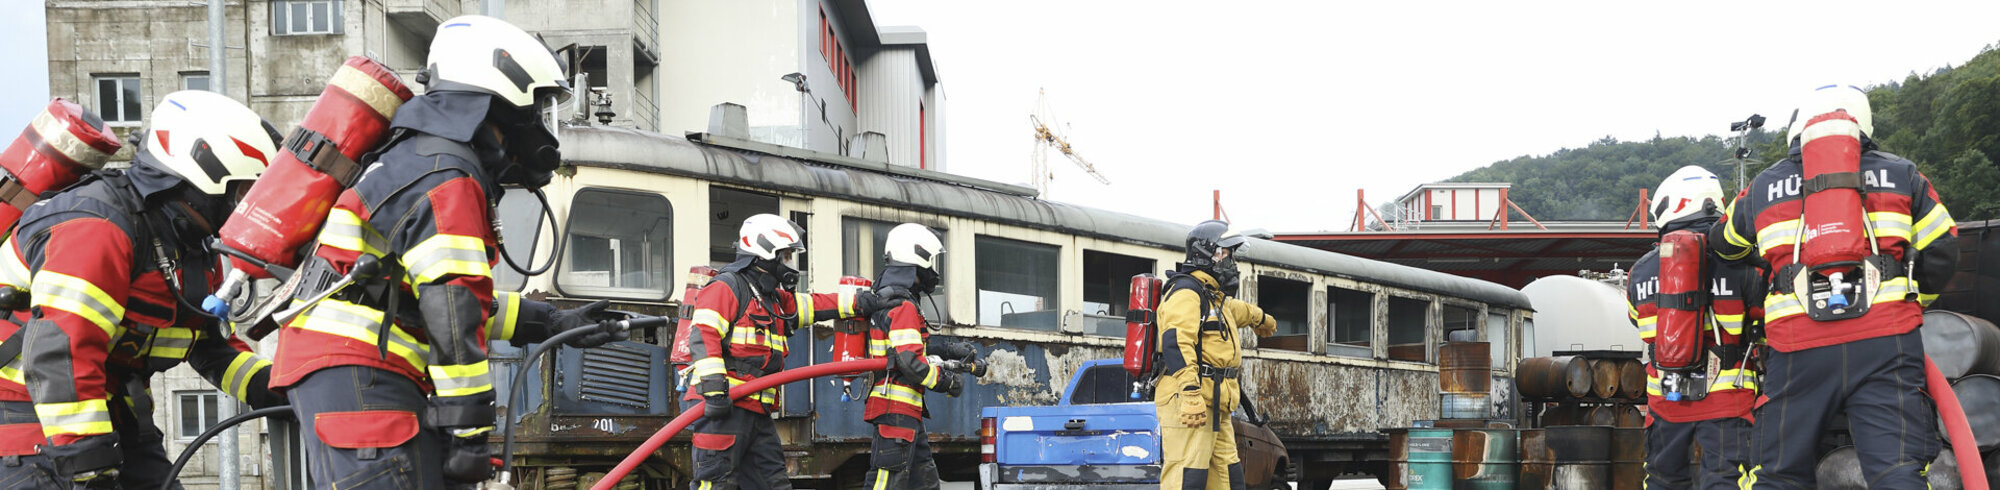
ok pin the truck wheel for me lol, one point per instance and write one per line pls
(1281, 476)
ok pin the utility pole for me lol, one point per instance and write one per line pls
(227, 474)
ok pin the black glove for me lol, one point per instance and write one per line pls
(715, 407)
(94, 458)
(467, 459)
(588, 316)
(954, 351)
(949, 384)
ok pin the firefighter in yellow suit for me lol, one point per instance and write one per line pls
(1201, 360)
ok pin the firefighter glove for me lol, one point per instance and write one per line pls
(467, 459)
(950, 385)
(866, 303)
(588, 316)
(955, 351)
(715, 407)
(1268, 327)
(1194, 410)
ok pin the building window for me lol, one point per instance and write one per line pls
(1017, 283)
(727, 209)
(619, 245)
(1461, 324)
(837, 60)
(923, 138)
(520, 229)
(1287, 301)
(1353, 319)
(1107, 290)
(1409, 320)
(301, 17)
(194, 80)
(198, 412)
(861, 255)
(118, 99)
(1496, 333)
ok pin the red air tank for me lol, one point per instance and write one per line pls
(284, 210)
(62, 144)
(1683, 294)
(850, 337)
(1141, 332)
(1833, 227)
(698, 277)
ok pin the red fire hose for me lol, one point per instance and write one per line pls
(1963, 447)
(817, 370)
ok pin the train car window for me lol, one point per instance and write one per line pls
(1461, 324)
(520, 227)
(1496, 333)
(1528, 339)
(1409, 321)
(1107, 290)
(1289, 302)
(1017, 283)
(620, 245)
(1353, 322)
(861, 255)
(1104, 383)
(727, 208)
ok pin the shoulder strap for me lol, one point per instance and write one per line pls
(12, 346)
(743, 300)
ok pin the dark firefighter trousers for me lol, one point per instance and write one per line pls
(901, 455)
(142, 443)
(739, 452)
(1878, 381)
(1725, 454)
(357, 424)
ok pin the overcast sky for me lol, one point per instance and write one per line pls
(1289, 107)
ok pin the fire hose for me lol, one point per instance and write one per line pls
(1971, 471)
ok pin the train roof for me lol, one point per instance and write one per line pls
(852, 179)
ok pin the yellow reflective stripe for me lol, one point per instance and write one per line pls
(83, 418)
(475, 431)
(881, 479)
(461, 380)
(336, 317)
(12, 271)
(443, 254)
(900, 393)
(905, 337)
(804, 304)
(1648, 327)
(767, 396)
(778, 343)
(1730, 323)
(1780, 305)
(345, 231)
(236, 380)
(744, 336)
(847, 302)
(506, 312)
(878, 348)
(931, 377)
(1934, 225)
(1749, 479)
(1890, 224)
(12, 371)
(1926, 299)
(1729, 234)
(1782, 233)
(1892, 290)
(171, 343)
(1653, 387)
(69, 293)
(1734, 379)
(709, 318)
(706, 366)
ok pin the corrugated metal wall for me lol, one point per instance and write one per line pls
(891, 89)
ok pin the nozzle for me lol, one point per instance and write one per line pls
(218, 304)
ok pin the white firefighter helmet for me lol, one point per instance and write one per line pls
(1833, 98)
(210, 140)
(475, 53)
(913, 244)
(1683, 193)
(766, 235)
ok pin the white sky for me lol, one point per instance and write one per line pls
(1289, 107)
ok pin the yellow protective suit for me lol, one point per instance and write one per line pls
(1195, 430)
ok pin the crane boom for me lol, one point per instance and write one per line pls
(1046, 137)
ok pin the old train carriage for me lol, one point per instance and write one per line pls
(1039, 285)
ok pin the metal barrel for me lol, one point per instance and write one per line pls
(1537, 463)
(1604, 415)
(1979, 395)
(1632, 379)
(1430, 459)
(1579, 453)
(1554, 377)
(1470, 406)
(1604, 376)
(1841, 470)
(1628, 458)
(1629, 417)
(1399, 460)
(1484, 459)
(1961, 344)
(1465, 380)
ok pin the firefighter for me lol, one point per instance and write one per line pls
(1202, 359)
(101, 279)
(742, 323)
(1719, 423)
(1871, 366)
(389, 376)
(901, 450)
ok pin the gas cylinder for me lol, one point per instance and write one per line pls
(1833, 229)
(850, 337)
(59, 147)
(698, 277)
(1141, 334)
(1682, 297)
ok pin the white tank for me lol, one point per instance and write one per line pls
(1574, 313)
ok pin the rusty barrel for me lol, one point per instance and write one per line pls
(1629, 417)
(1979, 394)
(1465, 380)
(1559, 414)
(1399, 460)
(1537, 464)
(1604, 415)
(1554, 377)
(1961, 344)
(1430, 459)
(1484, 459)
(1628, 458)
(1604, 376)
(1578, 457)
(1841, 470)
(1632, 379)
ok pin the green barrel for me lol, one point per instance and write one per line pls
(1484, 459)
(1430, 459)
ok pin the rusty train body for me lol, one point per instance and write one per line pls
(1040, 286)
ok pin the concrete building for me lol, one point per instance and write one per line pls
(1453, 201)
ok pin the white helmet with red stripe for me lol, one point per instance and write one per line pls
(1685, 193)
(210, 140)
(913, 244)
(767, 236)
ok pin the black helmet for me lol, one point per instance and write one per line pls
(1204, 241)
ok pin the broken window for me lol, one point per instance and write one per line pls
(1461, 324)
(1353, 322)
(1289, 302)
(1496, 332)
(1408, 321)
(861, 255)
(1017, 283)
(727, 208)
(1107, 290)
(619, 245)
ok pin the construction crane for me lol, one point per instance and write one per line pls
(1046, 137)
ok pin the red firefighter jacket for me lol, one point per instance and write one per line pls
(1763, 225)
(900, 332)
(1733, 391)
(738, 339)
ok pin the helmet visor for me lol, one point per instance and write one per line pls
(549, 107)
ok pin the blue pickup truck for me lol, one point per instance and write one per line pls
(1098, 437)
